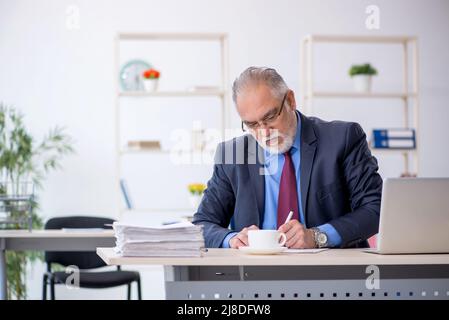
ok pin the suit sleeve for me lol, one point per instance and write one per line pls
(365, 189)
(217, 206)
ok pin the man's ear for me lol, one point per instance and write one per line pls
(291, 99)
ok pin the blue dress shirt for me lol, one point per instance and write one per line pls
(273, 170)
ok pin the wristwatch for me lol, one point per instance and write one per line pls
(320, 237)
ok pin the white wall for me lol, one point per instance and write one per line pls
(58, 76)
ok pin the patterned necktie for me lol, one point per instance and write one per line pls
(288, 195)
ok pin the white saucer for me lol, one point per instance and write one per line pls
(250, 250)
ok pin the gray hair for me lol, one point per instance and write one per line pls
(259, 75)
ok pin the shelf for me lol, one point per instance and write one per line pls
(202, 93)
(170, 36)
(131, 151)
(360, 39)
(145, 210)
(408, 95)
(381, 95)
(392, 151)
(215, 91)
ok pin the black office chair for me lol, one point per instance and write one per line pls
(84, 260)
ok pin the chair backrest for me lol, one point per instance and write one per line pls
(83, 260)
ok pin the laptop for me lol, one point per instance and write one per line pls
(414, 216)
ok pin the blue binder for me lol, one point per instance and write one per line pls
(394, 139)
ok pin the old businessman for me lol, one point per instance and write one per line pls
(322, 171)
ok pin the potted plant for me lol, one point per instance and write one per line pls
(150, 79)
(196, 193)
(362, 74)
(24, 161)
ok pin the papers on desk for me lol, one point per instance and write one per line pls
(182, 239)
(305, 250)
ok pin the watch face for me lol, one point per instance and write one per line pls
(322, 238)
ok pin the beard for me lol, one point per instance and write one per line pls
(276, 142)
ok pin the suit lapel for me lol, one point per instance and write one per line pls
(255, 162)
(308, 148)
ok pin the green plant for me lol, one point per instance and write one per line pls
(22, 160)
(365, 69)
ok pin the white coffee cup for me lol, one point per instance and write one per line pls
(266, 238)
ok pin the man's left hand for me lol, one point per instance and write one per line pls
(298, 237)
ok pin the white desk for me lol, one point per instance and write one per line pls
(49, 240)
(331, 274)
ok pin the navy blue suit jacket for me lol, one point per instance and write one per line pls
(339, 184)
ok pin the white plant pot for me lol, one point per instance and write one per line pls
(195, 201)
(150, 84)
(362, 83)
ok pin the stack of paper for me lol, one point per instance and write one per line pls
(182, 239)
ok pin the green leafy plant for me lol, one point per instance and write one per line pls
(365, 69)
(24, 160)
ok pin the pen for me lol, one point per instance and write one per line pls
(290, 215)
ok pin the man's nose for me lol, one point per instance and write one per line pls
(264, 131)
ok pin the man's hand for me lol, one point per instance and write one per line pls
(241, 238)
(298, 237)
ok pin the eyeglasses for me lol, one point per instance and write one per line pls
(268, 119)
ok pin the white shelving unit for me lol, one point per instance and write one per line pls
(410, 100)
(203, 93)
(119, 94)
